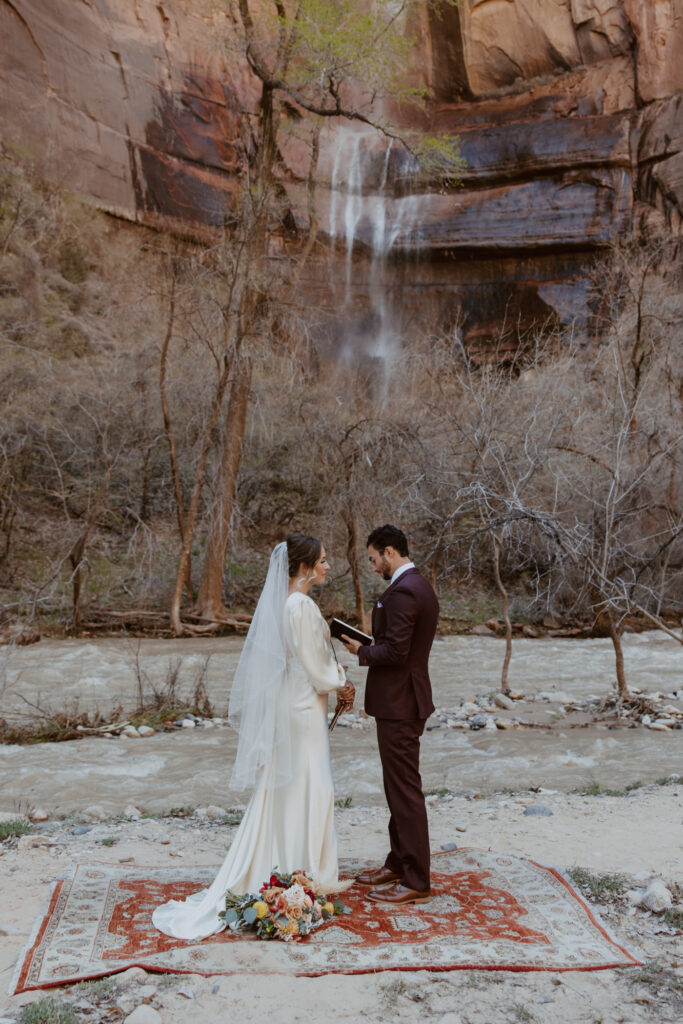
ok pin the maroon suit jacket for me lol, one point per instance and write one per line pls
(403, 626)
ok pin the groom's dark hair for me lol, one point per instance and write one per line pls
(389, 536)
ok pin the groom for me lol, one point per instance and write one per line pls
(398, 695)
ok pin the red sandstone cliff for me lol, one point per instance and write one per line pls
(570, 114)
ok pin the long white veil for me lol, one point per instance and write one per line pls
(259, 699)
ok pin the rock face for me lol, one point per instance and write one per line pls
(570, 115)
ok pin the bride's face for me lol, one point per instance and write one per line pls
(321, 568)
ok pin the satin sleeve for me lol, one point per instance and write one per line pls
(310, 636)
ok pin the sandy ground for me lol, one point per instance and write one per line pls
(640, 835)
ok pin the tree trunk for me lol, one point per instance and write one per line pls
(354, 565)
(504, 685)
(615, 636)
(209, 602)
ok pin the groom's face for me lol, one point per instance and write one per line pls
(379, 562)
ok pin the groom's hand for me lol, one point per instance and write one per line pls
(350, 645)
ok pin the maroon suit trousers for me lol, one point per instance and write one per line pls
(399, 751)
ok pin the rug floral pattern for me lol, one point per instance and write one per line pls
(488, 910)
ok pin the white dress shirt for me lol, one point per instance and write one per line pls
(401, 569)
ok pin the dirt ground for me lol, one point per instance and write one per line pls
(637, 836)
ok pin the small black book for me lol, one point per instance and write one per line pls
(339, 629)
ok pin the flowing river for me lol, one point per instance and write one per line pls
(192, 766)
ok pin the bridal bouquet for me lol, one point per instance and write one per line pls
(286, 908)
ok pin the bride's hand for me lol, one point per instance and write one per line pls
(347, 693)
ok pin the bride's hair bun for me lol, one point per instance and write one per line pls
(301, 548)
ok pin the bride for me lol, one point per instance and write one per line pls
(278, 705)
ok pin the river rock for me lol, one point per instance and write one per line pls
(144, 1014)
(503, 701)
(537, 811)
(130, 731)
(93, 813)
(186, 723)
(134, 975)
(490, 725)
(39, 815)
(213, 812)
(660, 725)
(146, 730)
(656, 897)
(481, 630)
(132, 811)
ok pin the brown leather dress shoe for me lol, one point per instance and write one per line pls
(398, 894)
(378, 876)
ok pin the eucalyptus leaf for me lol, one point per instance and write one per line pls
(249, 915)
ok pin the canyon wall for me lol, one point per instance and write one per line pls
(570, 114)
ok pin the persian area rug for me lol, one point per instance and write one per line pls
(488, 911)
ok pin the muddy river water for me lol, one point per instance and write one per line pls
(192, 766)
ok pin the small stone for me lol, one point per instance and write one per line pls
(529, 631)
(126, 860)
(659, 726)
(537, 811)
(93, 813)
(431, 799)
(131, 732)
(490, 725)
(449, 846)
(146, 730)
(504, 723)
(213, 812)
(132, 811)
(144, 1015)
(201, 812)
(460, 828)
(503, 701)
(646, 719)
(187, 992)
(186, 723)
(39, 815)
(481, 630)
(134, 975)
(147, 991)
(469, 708)
(656, 897)
(215, 990)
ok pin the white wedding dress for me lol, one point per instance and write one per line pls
(289, 827)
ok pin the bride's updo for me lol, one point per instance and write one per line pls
(301, 548)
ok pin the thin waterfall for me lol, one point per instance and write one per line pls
(364, 210)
